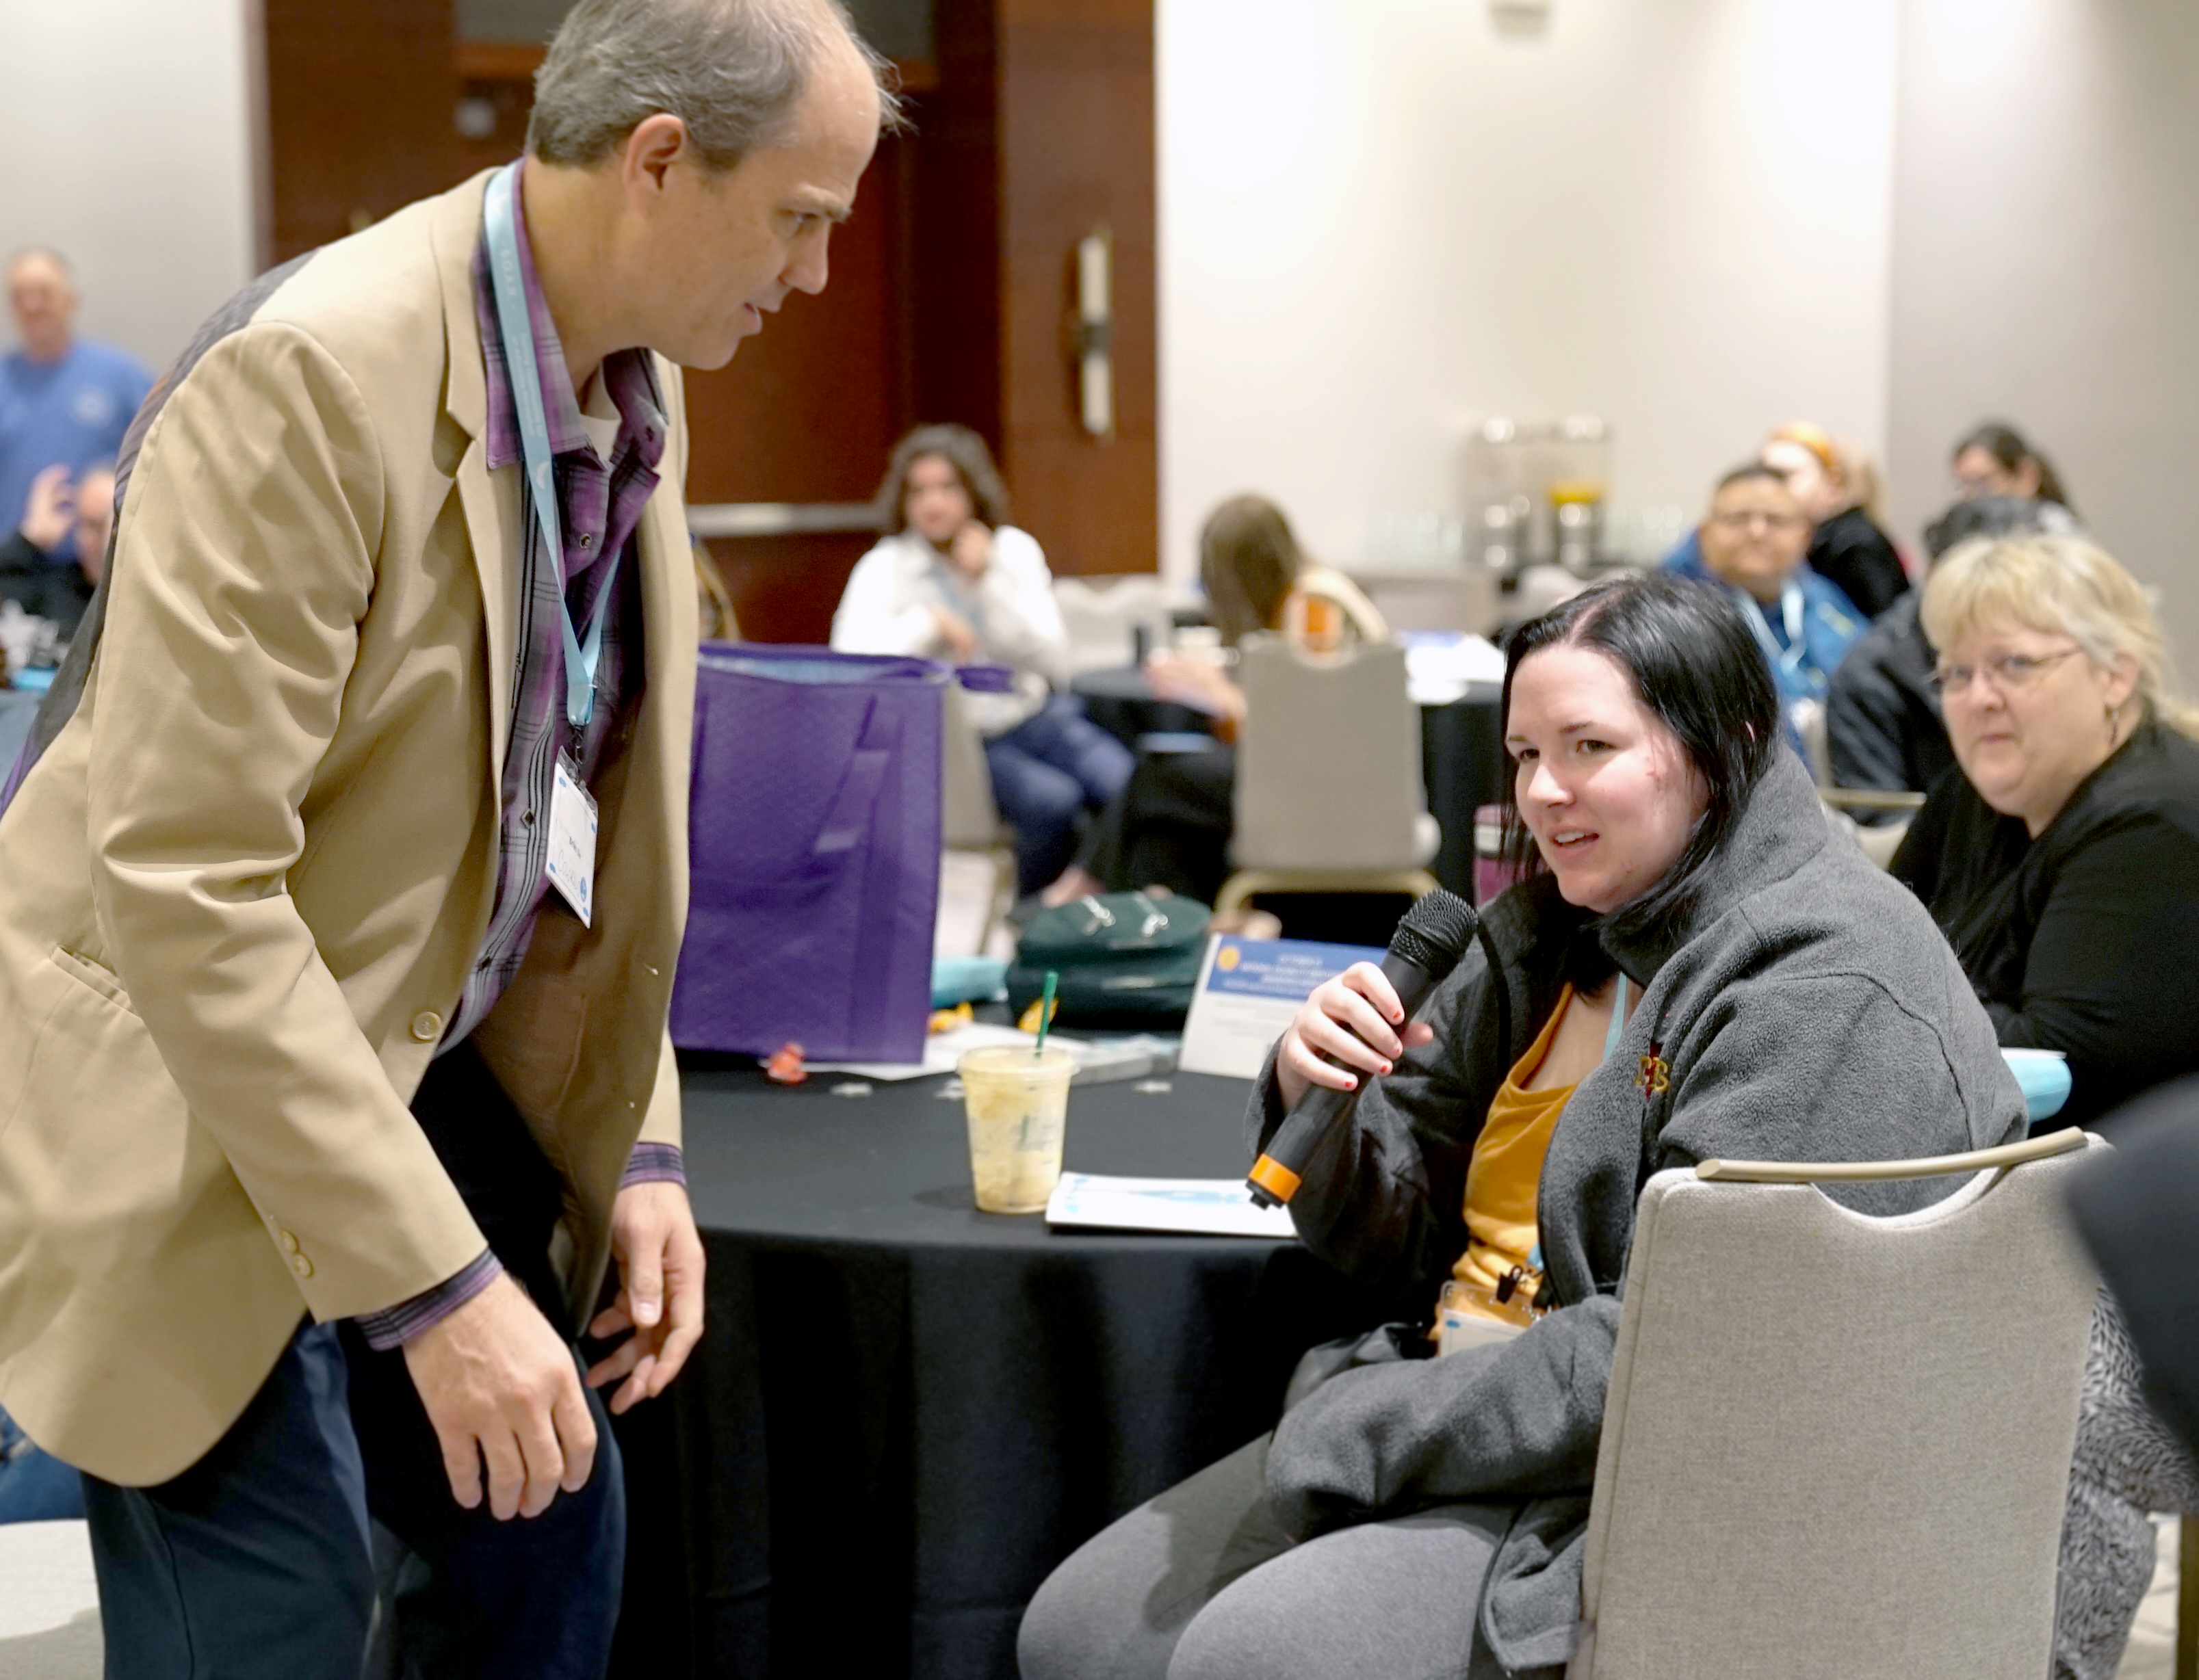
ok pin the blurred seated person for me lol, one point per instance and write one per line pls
(1994, 459)
(72, 521)
(1170, 826)
(954, 581)
(1414, 1515)
(2062, 863)
(1883, 713)
(1752, 542)
(1837, 490)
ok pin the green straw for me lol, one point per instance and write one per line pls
(1045, 1012)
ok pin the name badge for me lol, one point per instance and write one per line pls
(573, 843)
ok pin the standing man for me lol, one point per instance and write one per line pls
(340, 906)
(65, 401)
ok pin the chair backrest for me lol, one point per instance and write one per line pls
(1836, 1445)
(1328, 758)
(1102, 615)
(969, 820)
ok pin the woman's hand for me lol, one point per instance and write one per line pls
(972, 550)
(1357, 1019)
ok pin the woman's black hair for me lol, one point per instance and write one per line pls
(1692, 662)
(2009, 452)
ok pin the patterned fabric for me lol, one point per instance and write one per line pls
(599, 505)
(393, 1328)
(2128, 1464)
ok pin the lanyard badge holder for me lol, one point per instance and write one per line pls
(572, 861)
(1468, 1316)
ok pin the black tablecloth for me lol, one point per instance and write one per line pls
(904, 1412)
(1462, 753)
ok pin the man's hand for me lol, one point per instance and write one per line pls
(961, 641)
(659, 1298)
(50, 514)
(499, 1384)
(972, 550)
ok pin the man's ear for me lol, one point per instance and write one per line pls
(657, 143)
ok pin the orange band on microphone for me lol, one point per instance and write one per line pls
(1277, 1181)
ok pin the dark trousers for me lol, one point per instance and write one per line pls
(258, 1560)
(1047, 772)
(1170, 826)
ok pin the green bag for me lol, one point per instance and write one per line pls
(1125, 959)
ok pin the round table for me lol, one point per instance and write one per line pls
(906, 1412)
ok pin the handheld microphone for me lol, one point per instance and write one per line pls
(1429, 941)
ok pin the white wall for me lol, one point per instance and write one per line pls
(2046, 261)
(125, 142)
(1382, 221)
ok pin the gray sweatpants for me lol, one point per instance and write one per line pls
(1200, 1583)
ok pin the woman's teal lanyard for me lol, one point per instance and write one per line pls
(1610, 1043)
(515, 327)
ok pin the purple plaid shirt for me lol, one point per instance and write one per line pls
(599, 503)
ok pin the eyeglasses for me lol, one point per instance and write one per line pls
(2008, 671)
(1770, 521)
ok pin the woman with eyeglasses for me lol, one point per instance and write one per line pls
(2062, 863)
(1752, 542)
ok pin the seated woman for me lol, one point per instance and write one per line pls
(1753, 541)
(1699, 967)
(954, 581)
(2062, 862)
(1847, 547)
(1882, 714)
(1171, 826)
(1993, 459)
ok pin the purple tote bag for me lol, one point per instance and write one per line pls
(813, 841)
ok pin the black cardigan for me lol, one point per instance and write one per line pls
(2085, 940)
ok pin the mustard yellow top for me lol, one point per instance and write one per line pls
(1504, 1181)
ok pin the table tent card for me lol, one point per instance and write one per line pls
(1248, 990)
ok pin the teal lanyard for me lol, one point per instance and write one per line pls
(1617, 1019)
(516, 328)
(1791, 614)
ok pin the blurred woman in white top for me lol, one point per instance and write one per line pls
(952, 580)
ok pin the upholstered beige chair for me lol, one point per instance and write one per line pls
(1836, 1446)
(1329, 793)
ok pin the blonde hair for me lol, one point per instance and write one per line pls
(2066, 586)
(1846, 465)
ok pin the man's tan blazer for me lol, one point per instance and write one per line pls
(241, 890)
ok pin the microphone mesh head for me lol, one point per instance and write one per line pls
(1434, 934)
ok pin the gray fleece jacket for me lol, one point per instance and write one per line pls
(1807, 1010)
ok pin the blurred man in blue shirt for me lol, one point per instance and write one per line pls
(65, 401)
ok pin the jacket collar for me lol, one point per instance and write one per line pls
(1780, 829)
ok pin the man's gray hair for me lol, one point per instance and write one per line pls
(732, 70)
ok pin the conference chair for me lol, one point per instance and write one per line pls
(1328, 795)
(1106, 618)
(1878, 841)
(1836, 1445)
(969, 818)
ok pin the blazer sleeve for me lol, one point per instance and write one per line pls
(661, 1123)
(245, 560)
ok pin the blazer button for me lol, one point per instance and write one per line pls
(289, 1243)
(426, 1026)
(301, 1266)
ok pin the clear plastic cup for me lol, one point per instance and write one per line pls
(1016, 1101)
